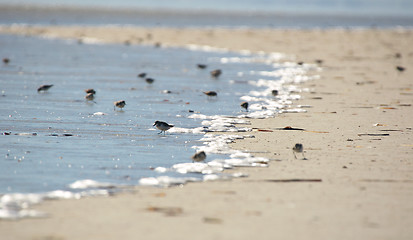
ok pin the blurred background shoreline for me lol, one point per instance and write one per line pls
(147, 16)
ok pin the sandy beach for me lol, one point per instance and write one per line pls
(357, 181)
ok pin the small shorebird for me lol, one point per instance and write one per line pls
(90, 96)
(90, 90)
(274, 93)
(201, 66)
(6, 60)
(163, 126)
(400, 68)
(245, 105)
(142, 75)
(120, 104)
(216, 73)
(150, 80)
(44, 88)
(199, 156)
(210, 93)
(298, 148)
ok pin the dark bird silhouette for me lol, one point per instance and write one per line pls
(201, 66)
(216, 73)
(44, 88)
(90, 90)
(90, 96)
(163, 126)
(150, 80)
(400, 68)
(298, 148)
(142, 75)
(199, 156)
(245, 105)
(120, 104)
(210, 93)
(274, 93)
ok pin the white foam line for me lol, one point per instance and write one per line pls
(18, 205)
(262, 105)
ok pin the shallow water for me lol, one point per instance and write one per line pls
(120, 146)
(58, 141)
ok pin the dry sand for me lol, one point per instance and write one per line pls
(366, 188)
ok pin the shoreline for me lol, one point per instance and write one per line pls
(366, 181)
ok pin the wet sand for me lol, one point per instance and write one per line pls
(357, 181)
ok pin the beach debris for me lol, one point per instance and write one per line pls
(294, 180)
(397, 55)
(244, 105)
(400, 68)
(142, 75)
(210, 93)
(6, 61)
(373, 134)
(199, 156)
(63, 135)
(264, 130)
(365, 82)
(168, 211)
(212, 220)
(216, 73)
(120, 104)
(26, 134)
(317, 131)
(163, 126)
(290, 128)
(201, 66)
(44, 88)
(299, 148)
(149, 80)
(319, 61)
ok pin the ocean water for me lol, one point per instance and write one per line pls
(353, 7)
(56, 144)
(214, 13)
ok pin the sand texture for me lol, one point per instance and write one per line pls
(357, 181)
